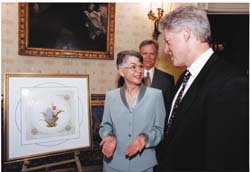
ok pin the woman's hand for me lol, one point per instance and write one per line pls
(136, 146)
(108, 145)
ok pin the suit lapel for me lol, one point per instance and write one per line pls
(123, 96)
(140, 95)
(155, 79)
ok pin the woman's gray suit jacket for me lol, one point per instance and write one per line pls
(146, 117)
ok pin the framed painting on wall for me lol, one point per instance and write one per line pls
(78, 30)
(45, 114)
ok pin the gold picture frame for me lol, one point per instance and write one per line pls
(71, 30)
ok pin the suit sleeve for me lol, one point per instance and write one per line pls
(226, 126)
(106, 127)
(155, 134)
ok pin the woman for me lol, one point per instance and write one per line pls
(133, 120)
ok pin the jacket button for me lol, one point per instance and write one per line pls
(129, 135)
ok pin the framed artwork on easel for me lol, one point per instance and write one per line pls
(45, 114)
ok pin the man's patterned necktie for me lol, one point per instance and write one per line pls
(178, 100)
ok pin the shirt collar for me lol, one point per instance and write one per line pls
(198, 64)
(151, 72)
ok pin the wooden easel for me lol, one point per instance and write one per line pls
(76, 159)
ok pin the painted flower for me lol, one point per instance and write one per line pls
(51, 115)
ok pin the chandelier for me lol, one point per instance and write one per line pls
(156, 19)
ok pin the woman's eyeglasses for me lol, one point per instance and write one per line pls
(134, 67)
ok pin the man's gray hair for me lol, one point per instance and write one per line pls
(193, 18)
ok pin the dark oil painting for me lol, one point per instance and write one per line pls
(85, 29)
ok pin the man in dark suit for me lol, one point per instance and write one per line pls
(208, 123)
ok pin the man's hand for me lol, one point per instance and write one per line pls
(136, 146)
(108, 145)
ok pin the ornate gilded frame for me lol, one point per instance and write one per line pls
(25, 49)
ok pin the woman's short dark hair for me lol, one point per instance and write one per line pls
(123, 56)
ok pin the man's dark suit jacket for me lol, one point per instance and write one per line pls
(210, 132)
